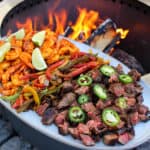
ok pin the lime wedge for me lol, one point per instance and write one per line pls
(38, 38)
(20, 34)
(37, 60)
(3, 50)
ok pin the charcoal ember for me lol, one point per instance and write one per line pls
(128, 60)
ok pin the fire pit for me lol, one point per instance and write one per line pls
(103, 33)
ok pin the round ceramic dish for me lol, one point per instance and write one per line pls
(32, 121)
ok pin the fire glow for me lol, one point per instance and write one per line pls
(86, 22)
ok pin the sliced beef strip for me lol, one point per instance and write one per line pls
(96, 75)
(83, 129)
(117, 89)
(139, 99)
(126, 129)
(125, 138)
(113, 79)
(100, 105)
(93, 116)
(110, 139)
(94, 126)
(66, 100)
(108, 103)
(105, 80)
(125, 117)
(96, 138)
(87, 140)
(61, 117)
(75, 103)
(134, 118)
(131, 101)
(67, 86)
(63, 128)
(74, 132)
(49, 116)
(46, 99)
(121, 124)
(89, 107)
(132, 90)
(42, 108)
(117, 109)
(135, 75)
(142, 109)
(143, 117)
(82, 90)
(119, 69)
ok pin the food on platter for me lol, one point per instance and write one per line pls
(80, 92)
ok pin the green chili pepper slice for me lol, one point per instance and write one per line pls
(84, 80)
(100, 92)
(83, 99)
(124, 78)
(121, 102)
(107, 70)
(110, 117)
(11, 99)
(76, 114)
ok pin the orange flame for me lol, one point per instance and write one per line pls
(122, 32)
(61, 20)
(27, 25)
(85, 23)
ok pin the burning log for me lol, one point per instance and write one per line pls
(68, 31)
(103, 36)
(110, 47)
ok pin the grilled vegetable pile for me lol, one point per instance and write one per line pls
(79, 92)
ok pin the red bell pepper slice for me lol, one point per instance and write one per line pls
(18, 102)
(77, 55)
(82, 69)
(52, 67)
(30, 76)
(37, 84)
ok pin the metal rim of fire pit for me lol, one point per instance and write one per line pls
(17, 6)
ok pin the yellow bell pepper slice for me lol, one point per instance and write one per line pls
(30, 89)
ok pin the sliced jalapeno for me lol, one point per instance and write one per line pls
(124, 78)
(110, 117)
(100, 92)
(76, 114)
(107, 70)
(84, 80)
(83, 99)
(121, 102)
